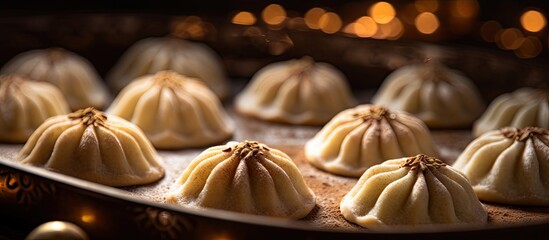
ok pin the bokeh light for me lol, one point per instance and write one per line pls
(427, 23)
(330, 23)
(529, 48)
(244, 18)
(312, 17)
(365, 27)
(274, 14)
(382, 12)
(489, 30)
(464, 8)
(510, 38)
(533, 21)
(396, 29)
(426, 5)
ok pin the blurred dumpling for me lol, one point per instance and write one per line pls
(367, 135)
(154, 54)
(296, 92)
(412, 190)
(72, 74)
(173, 111)
(246, 177)
(25, 104)
(91, 145)
(510, 166)
(439, 96)
(525, 107)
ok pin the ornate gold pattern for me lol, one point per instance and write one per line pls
(162, 224)
(21, 188)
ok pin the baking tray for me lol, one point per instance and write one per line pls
(30, 196)
(33, 195)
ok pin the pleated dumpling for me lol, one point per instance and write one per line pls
(174, 111)
(439, 96)
(296, 92)
(246, 177)
(525, 107)
(367, 135)
(91, 145)
(72, 74)
(412, 190)
(509, 166)
(154, 54)
(25, 104)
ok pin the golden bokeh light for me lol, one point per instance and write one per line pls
(351, 28)
(87, 218)
(426, 5)
(533, 21)
(427, 23)
(391, 31)
(312, 17)
(464, 8)
(330, 23)
(529, 48)
(510, 38)
(274, 14)
(365, 27)
(396, 29)
(244, 18)
(382, 12)
(489, 30)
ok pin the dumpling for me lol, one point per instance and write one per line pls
(154, 54)
(91, 145)
(173, 111)
(25, 104)
(525, 107)
(412, 190)
(72, 74)
(509, 166)
(296, 92)
(367, 135)
(439, 96)
(246, 177)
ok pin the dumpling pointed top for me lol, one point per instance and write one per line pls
(247, 150)
(89, 116)
(375, 112)
(169, 79)
(301, 66)
(522, 134)
(423, 162)
(434, 71)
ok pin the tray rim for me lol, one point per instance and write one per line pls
(265, 221)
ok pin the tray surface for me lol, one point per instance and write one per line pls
(329, 188)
